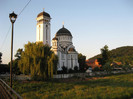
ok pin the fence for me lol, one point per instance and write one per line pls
(6, 92)
(89, 74)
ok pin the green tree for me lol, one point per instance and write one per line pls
(18, 54)
(52, 65)
(38, 60)
(82, 62)
(122, 54)
(4, 68)
(15, 68)
(107, 67)
(0, 57)
(105, 56)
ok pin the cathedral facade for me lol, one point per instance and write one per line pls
(61, 44)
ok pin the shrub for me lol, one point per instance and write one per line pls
(70, 71)
(96, 69)
(64, 69)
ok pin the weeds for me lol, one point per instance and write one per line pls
(110, 87)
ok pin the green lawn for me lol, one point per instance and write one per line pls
(109, 87)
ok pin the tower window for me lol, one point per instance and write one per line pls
(71, 61)
(39, 32)
(62, 56)
(63, 64)
(46, 32)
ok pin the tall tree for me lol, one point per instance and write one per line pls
(38, 60)
(18, 54)
(105, 56)
(0, 57)
(52, 65)
(82, 62)
(15, 67)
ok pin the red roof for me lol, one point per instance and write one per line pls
(93, 63)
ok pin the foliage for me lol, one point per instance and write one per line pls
(122, 54)
(96, 69)
(52, 65)
(64, 69)
(110, 87)
(82, 62)
(15, 68)
(54, 59)
(70, 71)
(105, 56)
(19, 53)
(76, 68)
(107, 67)
(38, 60)
(0, 57)
(4, 68)
(126, 67)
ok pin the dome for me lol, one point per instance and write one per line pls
(44, 14)
(63, 32)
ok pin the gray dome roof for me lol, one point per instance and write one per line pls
(44, 14)
(63, 31)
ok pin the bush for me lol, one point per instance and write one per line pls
(71, 71)
(96, 69)
(107, 67)
(76, 68)
(64, 69)
(126, 67)
(4, 68)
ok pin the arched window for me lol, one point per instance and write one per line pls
(39, 32)
(46, 33)
(71, 61)
(62, 56)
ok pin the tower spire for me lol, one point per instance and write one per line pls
(43, 9)
(63, 24)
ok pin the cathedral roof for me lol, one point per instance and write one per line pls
(55, 38)
(63, 31)
(44, 14)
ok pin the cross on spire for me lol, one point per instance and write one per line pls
(63, 24)
(43, 9)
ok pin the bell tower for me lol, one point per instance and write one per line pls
(43, 33)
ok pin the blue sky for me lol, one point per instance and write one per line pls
(93, 23)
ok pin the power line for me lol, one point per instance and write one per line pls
(5, 38)
(24, 7)
(10, 25)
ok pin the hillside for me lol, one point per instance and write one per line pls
(121, 54)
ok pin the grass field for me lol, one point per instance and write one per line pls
(109, 87)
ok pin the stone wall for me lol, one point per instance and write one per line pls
(89, 74)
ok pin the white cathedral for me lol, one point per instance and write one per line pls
(61, 44)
